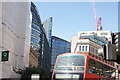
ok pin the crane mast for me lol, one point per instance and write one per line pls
(97, 20)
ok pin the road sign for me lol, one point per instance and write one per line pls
(5, 55)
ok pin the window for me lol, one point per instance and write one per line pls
(35, 26)
(79, 48)
(98, 69)
(34, 40)
(82, 48)
(106, 71)
(89, 48)
(91, 68)
(74, 62)
(86, 48)
(36, 33)
(95, 67)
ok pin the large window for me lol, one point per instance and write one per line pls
(35, 26)
(95, 67)
(106, 71)
(72, 62)
(91, 68)
(98, 68)
(36, 33)
(34, 40)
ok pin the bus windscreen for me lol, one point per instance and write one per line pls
(72, 62)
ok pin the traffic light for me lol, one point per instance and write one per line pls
(5, 55)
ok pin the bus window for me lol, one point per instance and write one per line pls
(98, 70)
(91, 66)
(106, 71)
(70, 63)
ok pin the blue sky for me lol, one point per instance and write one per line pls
(69, 18)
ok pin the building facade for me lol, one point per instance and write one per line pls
(36, 29)
(15, 37)
(33, 58)
(97, 37)
(91, 42)
(39, 39)
(59, 46)
(47, 25)
(87, 46)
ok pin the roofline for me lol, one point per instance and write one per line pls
(61, 39)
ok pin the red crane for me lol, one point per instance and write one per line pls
(98, 20)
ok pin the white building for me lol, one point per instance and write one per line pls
(15, 24)
(87, 46)
(90, 41)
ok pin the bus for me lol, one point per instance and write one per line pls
(83, 66)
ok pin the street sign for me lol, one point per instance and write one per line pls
(5, 55)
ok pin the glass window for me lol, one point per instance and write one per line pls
(106, 71)
(89, 48)
(86, 48)
(82, 48)
(35, 26)
(34, 32)
(93, 50)
(72, 62)
(34, 40)
(91, 68)
(79, 48)
(99, 68)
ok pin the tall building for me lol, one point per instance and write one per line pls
(40, 39)
(92, 40)
(47, 25)
(15, 37)
(45, 59)
(36, 29)
(59, 46)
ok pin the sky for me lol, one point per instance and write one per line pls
(69, 18)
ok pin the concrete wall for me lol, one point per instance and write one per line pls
(15, 34)
(74, 43)
(0, 38)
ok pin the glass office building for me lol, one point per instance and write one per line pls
(36, 29)
(39, 40)
(47, 25)
(59, 46)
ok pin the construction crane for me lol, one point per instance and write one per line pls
(97, 19)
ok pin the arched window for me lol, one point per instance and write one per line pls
(82, 48)
(79, 48)
(86, 48)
